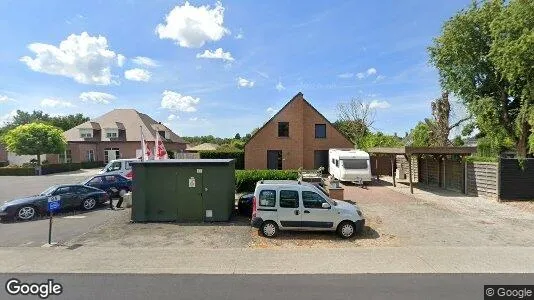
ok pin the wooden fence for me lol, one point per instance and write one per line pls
(482, 179)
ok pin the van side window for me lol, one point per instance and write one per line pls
(289, 199)
(312, 200)
(127, 165)
(268, 198)
(115, 166)
(337, 163)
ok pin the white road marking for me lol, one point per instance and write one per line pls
(74, 217)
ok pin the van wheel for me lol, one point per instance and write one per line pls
(346, 229)
(269, 229)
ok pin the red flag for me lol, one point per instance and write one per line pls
(148, 152)
(161, 153)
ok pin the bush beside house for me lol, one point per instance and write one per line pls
(246, 179)
(238, 156)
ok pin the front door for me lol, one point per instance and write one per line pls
(289, 213)
(189, 194)
(313, 214)
(321, 159)
(274, 159)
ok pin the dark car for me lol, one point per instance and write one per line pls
(70, 196)
(244, 205)
(115, 185)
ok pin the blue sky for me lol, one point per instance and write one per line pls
(161, 57)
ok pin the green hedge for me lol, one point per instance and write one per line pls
(92, 164)
(17, 171)
(246, 179)
(481, 159)
(239, 157)
(59, 168)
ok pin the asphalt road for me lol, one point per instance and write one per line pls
(65, 226)
(236, 287)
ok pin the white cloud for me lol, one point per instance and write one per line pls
(242, 82)
(239, 36)
(191, 27)
(8, 118)
(217, 54)
(371, 71)
(145, 61)
(97, 97)
(48, 102)
(84, 58)
(4, 98)
(360, 75)
(279, 86)
(379, 104)
(172, 117)
(137, 75)
(193, 119)
(178, 102)
(121, 59)
(380, 77)
(346, 75)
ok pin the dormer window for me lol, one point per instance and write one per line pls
(112, 133)
(164, 134)
(86, 133)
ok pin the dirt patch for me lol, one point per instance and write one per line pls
(527, 205)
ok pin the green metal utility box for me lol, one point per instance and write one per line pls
(183, 190)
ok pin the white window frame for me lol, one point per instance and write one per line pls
(86, 133)
(112, 133)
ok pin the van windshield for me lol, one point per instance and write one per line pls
(354, 164)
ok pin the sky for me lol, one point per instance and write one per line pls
(220, 68)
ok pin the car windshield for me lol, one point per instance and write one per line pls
(48, 191)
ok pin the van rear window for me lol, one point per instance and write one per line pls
(354, 164)
(268, 198)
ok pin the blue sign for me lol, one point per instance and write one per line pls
(54, 203)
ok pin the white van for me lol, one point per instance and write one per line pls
(294, 205)
(119, 166)
(349, 165)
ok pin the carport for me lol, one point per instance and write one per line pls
(440, 166)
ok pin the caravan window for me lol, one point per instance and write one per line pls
(354, 164)
(337, 163)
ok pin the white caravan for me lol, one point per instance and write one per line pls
(349, 165)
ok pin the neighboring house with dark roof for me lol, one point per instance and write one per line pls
(296, 136)
(116, 134)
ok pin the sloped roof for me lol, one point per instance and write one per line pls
(203, 147)
(299, 95)
(129, 120)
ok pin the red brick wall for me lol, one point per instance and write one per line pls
(297, 149)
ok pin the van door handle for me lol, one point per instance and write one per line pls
(306, 211)
(296, 212)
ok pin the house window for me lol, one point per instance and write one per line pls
(86, 133)
(91, 155)
(283, 129)
(65, 157)
(162, 134)
(112, 133)
(111, 154)
(320, 131)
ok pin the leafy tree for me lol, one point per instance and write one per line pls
(63, 122)
(355, 120)
(484, 56)
(380, 139)
(35, 139)
(420, 136)
(69, 121)
(237, 136)
(457, 141)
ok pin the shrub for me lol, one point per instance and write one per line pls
(238, 156)
(92, 164)
(3, 164)
(58, 168)
(246, 179)
(16, 171)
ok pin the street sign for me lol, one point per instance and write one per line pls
(54, 203)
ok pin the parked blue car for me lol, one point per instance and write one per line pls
(115, 185)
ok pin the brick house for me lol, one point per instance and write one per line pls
(296, 136)
(116, 134)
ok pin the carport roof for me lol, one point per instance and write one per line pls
(424, 150)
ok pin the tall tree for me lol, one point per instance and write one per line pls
(440, 127)
(472, 67)
(63, 122)
(355, 119)
(35, 139)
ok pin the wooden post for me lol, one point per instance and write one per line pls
(376, 167)
(392, 158)
(409, 158)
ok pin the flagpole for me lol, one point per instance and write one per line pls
(142, 144)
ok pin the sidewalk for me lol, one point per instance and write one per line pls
(253, 261)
